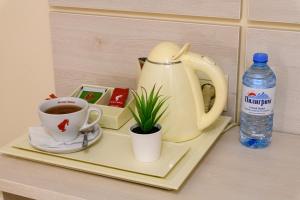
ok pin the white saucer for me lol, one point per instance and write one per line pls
(60, 147)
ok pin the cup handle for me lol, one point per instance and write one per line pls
(86, 125)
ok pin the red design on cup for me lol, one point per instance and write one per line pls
(51, 96)
(62, 126)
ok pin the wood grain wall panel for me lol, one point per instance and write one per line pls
(207, 8)
(287, 11)
(104, 50)
(283, 49)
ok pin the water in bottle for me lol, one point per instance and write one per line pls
(257, 104)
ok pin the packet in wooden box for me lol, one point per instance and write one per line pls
(113, 117)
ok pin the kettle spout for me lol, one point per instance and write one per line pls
(142, 61)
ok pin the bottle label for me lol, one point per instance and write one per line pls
(258, 101)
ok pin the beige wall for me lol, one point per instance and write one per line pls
(88, 36)
(26, 74)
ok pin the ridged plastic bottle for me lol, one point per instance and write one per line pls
(256, 121)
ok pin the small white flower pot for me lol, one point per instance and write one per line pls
(146, 147)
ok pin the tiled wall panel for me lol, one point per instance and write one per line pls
(286, 11)
(206, 8)
(283, 49)
(104, 50)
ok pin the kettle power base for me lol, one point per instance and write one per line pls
(172, 181)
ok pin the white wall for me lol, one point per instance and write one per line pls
(26, 73)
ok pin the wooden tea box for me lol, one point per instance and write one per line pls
(113, 117)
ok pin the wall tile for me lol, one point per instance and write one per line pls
(283, 49)
(207, 8)
(104, 50)
(287, 11)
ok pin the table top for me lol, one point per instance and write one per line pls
(229, 170)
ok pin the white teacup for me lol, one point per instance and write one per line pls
(67, 126)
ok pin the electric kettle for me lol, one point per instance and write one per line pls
(175, 69)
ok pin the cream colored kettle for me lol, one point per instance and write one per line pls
(175, 70)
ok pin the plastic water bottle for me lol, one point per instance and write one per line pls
(257, 104)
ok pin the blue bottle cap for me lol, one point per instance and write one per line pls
(260, 57)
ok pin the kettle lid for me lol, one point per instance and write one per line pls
(164, 52)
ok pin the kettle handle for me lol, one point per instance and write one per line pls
(195, 62)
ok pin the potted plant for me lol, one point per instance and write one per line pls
(146, 133)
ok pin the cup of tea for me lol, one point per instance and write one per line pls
(65, 117)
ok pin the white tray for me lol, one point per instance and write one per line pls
(174, 179)
(114, 150)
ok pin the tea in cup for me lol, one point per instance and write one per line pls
(65, 117)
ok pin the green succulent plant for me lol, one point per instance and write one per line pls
(148, 107)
